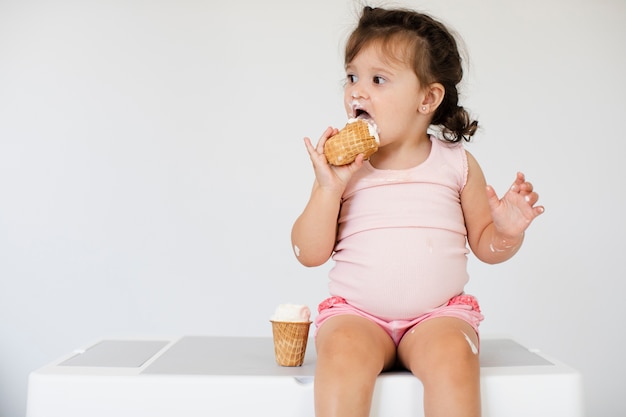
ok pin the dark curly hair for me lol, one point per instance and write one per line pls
(431, 49)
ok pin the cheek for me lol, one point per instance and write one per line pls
(347, 103)
(390, 124)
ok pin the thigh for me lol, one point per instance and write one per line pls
(350, 338)
(442, 352)
(439, 343)
(351, 352)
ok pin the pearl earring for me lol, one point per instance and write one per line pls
(423, 108)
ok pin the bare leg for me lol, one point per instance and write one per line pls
(351, 352)
(442, 353)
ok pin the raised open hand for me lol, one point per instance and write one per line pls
(517, 209)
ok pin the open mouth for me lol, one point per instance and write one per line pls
(361, 114)
(358, 112)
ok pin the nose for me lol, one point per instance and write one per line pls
(358, 90)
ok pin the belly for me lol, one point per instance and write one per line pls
(399, 273)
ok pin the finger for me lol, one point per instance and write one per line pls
(309, 146)
(357, 163)
(519, 180)
(330, 131)
(492, 197)
(526, 187)
(531, 198)
(314, 155)
(538, 210)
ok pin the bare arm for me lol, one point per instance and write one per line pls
(314, 233)
(495, 227)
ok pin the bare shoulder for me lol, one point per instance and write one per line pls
(475, 176)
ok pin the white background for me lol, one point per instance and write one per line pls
(152, 164)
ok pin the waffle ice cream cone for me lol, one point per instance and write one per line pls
(358, 136)
(290, 340)
(290, 327)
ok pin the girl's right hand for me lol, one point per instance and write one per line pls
(328, 176)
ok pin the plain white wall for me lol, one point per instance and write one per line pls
(151, 166)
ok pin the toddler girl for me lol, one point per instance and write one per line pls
(398, 226)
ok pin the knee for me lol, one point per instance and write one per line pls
(451, 358)
(459, 350)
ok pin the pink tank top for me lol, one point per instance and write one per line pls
(401, 246)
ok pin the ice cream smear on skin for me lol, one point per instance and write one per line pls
(292, 313)
(471, 344)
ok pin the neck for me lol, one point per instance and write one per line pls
(402, 155)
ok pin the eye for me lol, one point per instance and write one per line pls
(379, 80)
(351, 78)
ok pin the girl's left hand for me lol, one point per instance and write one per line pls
(516, 210)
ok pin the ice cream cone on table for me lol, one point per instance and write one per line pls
(290, 328)
(359, 136)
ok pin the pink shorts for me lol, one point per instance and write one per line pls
(464, 307)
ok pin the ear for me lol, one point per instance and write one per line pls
(433, 96)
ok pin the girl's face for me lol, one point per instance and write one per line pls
(384, 90)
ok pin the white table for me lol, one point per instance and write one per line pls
(238, 376)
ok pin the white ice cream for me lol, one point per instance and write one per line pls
(292, 313)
